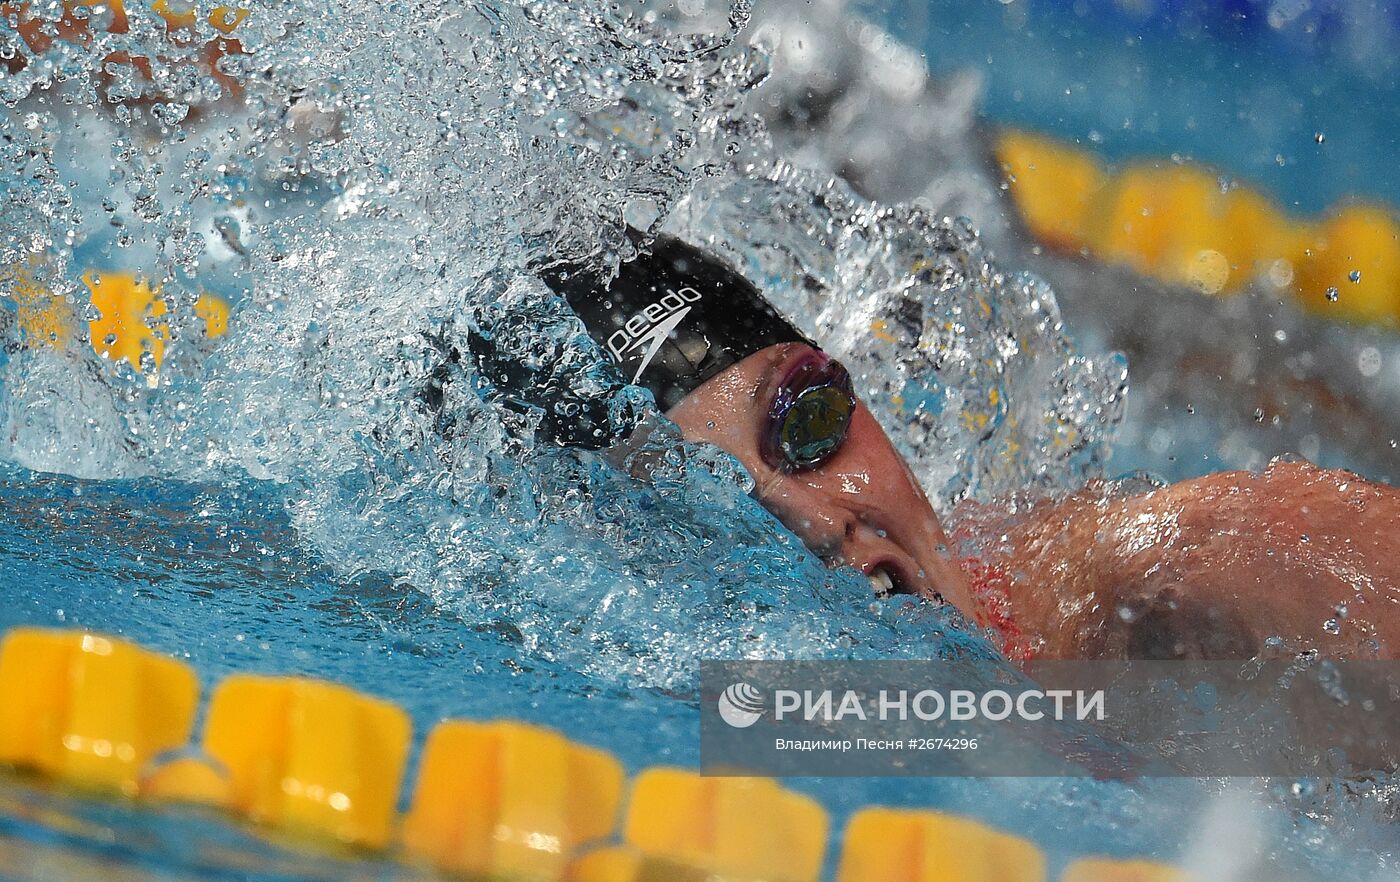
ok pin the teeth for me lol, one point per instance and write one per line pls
(881, 582)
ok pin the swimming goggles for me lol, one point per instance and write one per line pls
(810, 415)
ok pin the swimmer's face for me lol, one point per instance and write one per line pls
(854, 502)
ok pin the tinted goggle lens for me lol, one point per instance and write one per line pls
(811, 416)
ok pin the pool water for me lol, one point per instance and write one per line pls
(1244, 87)
(216, 576)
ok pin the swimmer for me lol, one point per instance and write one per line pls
(1212, 567)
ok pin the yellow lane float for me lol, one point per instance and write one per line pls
(508, 801)
(1353, 262)
(88, 709)
(1179, 223)
(683, 826)
(892, 845)
(128, 325)
(1104, 870)
(312, 755)
(495, 800)
(299, 754)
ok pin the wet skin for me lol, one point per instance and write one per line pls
(1210, 568)
(1206, 568)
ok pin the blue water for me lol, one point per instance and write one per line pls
(214, 575)
(1208, 81)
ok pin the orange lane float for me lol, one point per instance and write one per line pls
(75, 24)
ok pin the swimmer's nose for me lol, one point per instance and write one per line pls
(827, 535)
(845, 539)
(895, 563)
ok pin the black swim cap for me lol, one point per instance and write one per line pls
(674, 317)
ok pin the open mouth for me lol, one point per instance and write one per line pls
(887, 581)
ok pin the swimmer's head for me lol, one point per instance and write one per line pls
(674, 318)
(731, 371)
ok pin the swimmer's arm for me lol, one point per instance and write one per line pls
(1212, 567)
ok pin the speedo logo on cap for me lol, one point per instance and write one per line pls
(651, 326)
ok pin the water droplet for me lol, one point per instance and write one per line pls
(1319, 137)
(1354, 276)
(1369, 361)
(1332, 295)
(1332, 626)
